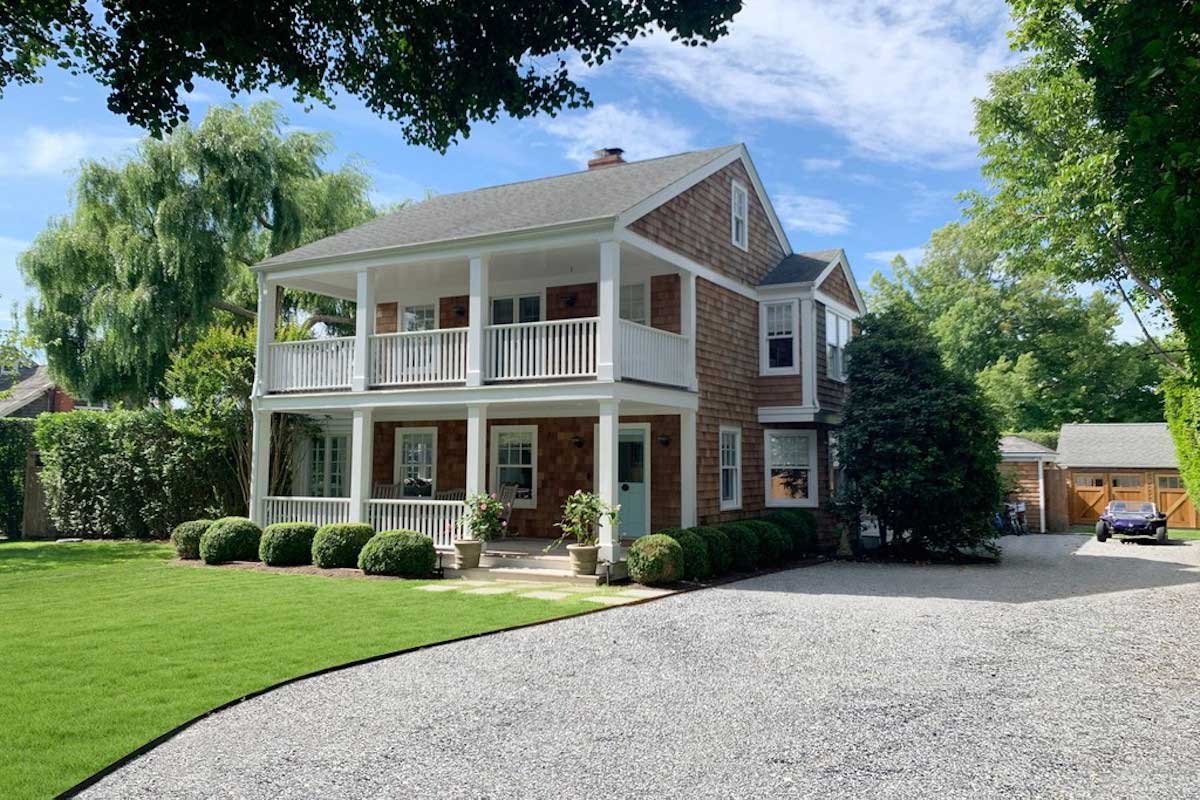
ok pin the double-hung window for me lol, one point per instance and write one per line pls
(419, 318)
(633, 303)
(837, 336)
(780, 344)
(790, 458)
(416, 461)
(525, 308)
(514, 461)
(731, 467)
(327, 466)
(740, 216)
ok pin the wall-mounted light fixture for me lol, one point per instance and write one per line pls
(570, 299)
(577, 440)
(460, 310)
(664, 440)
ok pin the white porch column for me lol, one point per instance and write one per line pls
(362, 445)
(260, 463)
(687, 469)
(607, 344)
(364, 326)
(477, 319)
(687, 323)
(477, 438)
(606, 474)
(265, 334)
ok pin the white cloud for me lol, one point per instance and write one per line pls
(643, 134)
(817, 215)
(820, 164)
(41, 151)
(912, 255)
(895, 80)
(12, 288)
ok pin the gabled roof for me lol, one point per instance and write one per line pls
(1018, 447)
(1120, 445)
(577, 197)
(799, 268)
(35, 381)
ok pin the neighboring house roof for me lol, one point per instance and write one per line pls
(1120, 445)
(800, 268)
(577, 197)
(1018, 448)
(35, 381)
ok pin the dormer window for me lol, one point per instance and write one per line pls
(740, 216)
(779, 352)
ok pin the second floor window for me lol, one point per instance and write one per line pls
(507, 310)
(420, 318)
(779, 336)
(837, 336)
(740, 218)
(633, 302)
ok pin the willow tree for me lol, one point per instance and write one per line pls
(157, 247)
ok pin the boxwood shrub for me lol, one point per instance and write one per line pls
(230, 539)
(186, 537)
(655, 560)
(404, 554)
(339, 544)
(696, 563)
(800, 526)
(287, 544)
(745, 545)
(774, 546)
(720, 549)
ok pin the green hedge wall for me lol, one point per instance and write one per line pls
(16, 437)
(1181, 404)
(124, 474)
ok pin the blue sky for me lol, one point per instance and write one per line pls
(858, 117)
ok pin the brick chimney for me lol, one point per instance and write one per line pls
(608, 157)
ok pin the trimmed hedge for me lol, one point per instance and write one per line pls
(696, 564)
(720, 549)
(655, 560)
(16, 439)
(798, 525)
(287, 544)
(745, 545)
(404, 554)
(774, 546)
(339, 544)
(186, 537)
(230, 539)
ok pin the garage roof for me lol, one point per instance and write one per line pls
(1122, 445)
(1018, 448)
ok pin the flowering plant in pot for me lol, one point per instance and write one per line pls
(484, 521)
(581, 519)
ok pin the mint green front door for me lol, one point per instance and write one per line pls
(631, 481)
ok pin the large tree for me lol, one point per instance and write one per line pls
(1042, 354)
(435, 65)
(158, 246)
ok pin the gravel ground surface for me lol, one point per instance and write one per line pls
(1068, 671)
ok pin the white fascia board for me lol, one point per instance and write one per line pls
(562, 235)
(778, 291)
(683, 262)
(836, 305)
(775, 414)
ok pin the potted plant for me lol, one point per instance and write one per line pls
(581, 518)
(483, 521)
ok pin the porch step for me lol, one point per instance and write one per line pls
(532, 574)
(525, 562)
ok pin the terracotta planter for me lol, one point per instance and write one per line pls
(583, 558)
(467, 552)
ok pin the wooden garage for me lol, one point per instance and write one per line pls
(1124, 461)
(1029, 467)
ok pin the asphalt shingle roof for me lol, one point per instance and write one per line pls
(575, 197)
(799, 267)
(1020, 446)
(1124, 445)
(34, 381)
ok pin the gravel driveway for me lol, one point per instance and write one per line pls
(1068, 671)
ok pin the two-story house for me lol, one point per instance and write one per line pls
(643, 330)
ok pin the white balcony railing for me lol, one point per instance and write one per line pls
(540, 350)
(311, 364)
(316, 510)
(438, 356)
(651, 354)
(437, 519)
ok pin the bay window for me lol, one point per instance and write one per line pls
(837, 336)
(790, 461)
(779, 325)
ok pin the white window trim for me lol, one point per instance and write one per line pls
(402, 311)
(764, 356)
(737, 186)
(645, 300)
(327, 466)
(540, 293)
(814, 479)
(736, 503)
(398, 450)
(494, 459)
(843, 377)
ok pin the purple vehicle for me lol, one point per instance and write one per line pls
(1132, 519)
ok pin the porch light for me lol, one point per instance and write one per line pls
(577, 440)
(664, 440)
(570, 299)
(460, 310)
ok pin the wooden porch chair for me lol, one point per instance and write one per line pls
(451, 494)
(507, 496)
(387, 491)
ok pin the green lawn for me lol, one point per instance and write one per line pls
(1174, 533)
(105, 645)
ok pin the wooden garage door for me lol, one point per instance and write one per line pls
(1129, 486)
(1174, 502)
(1089, 496)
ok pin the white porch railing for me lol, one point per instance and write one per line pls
(316, 510)
(438, 356)
(651, 354)
(311, 364)
(437, 519)
(539, 350)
